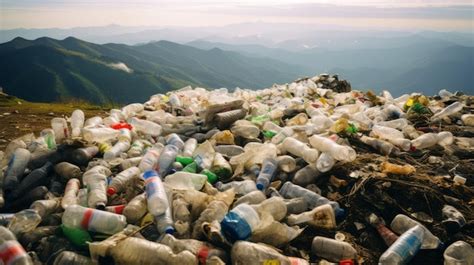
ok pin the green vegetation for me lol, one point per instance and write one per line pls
(49, 70)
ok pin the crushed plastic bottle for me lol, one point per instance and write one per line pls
(11, 252)
(404, 248)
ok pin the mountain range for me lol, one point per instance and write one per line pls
(47, 69)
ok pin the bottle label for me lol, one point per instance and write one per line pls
(272, 262)
(202, 254)
(86, 218)
(10, 251)
(151, 186)
(408, 248)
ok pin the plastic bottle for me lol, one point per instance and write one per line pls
(150, 159)
(202, 250)
(394, 136)
(269, 168)
(5, 218)
(332, 250)
(146, 127)
(95, 179)
(70, 193)
(221, 167)
(61, 131)
(299, 149)
(229, 150)
(245, 130)
(185, 180)
(82, 156)
(253, 197)
(120, 181)
(255, 254)
(225, 119)
(11, 251)
(67, 171)
(282, 135)
(384, 147)
(72, 258)
(46, 207)
(24, 221)
(405, 248)
(93, 220)
(402, 223)
(130, 162)
(325, 162)
(131, 110)
(157, 200)
(99, 135)
(378, 223)
(240, 222)
(36, 178)
(215, 211)
(337, 151)
(296, 205)
(93, 122)
(240, 187)
(204, 155)
(398, 124)
(275, 206)
(136, 209)
(16, 168)
(77, 122)
(468, 119)
(286, 163)
(453, 220)
(449, 110)
(49, 138)
(459, 253)
(174, 139)
(306, 175)
(425, 141)
(166, 159)
(190, 168)
(290, 190)
(189, 147)
(137, 251)
(136, 149)
(120, 147)
(320, 217)
(164, 222)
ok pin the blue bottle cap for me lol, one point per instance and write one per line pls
(235, 228)
(149, 174)
(169, 230)
(260, 186)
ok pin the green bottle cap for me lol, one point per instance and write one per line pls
(184, 160)
(269, 134)
(191, 168)
(77, 236)
(211, 177)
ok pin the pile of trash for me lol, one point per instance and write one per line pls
(307, 172)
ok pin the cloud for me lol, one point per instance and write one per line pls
(120, 66)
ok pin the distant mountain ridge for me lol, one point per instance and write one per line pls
(47, 69)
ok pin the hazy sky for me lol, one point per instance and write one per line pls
(396, 14)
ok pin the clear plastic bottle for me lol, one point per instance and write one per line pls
(282, 135)
(24, 221)
(166, 159)
(174, 139)
(253, 197)
(61, 131)
(459, 253)
(325, 162)
(131, 110)
(204, 155)
(202, 250)
(221, 167)
(93, 220)
(164, 222)
(320, 217)
(150, 159)
(245, 130)
(93, 122)
(449, 110)
(240, 222)
(185, 180)
(468, 119)
(405, 248)
(49, 138)
(332, 250)
(240, 187)
(286, 163)
(384, 147)
(136, 209)
(394, 136)
(119, 182)
(215, 211)
(445, 138)
(67, 171)
(290, 190)
(118, 148)
(398, 124)
(146, 127)
(337, 151)
(402, 223)
(189, 146)
(70, 193)
(157, 200)
(255, 254)
(306, 175)
(136, 149)
(11, 251)
(453, 219)
(269, 169)
(72, 258)
(425, 141)
(16, 168)
(46, 207)
(299, 149)
(275, 206)
(77, 122)
(82, 156)
(99, 135)
(95, 179)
